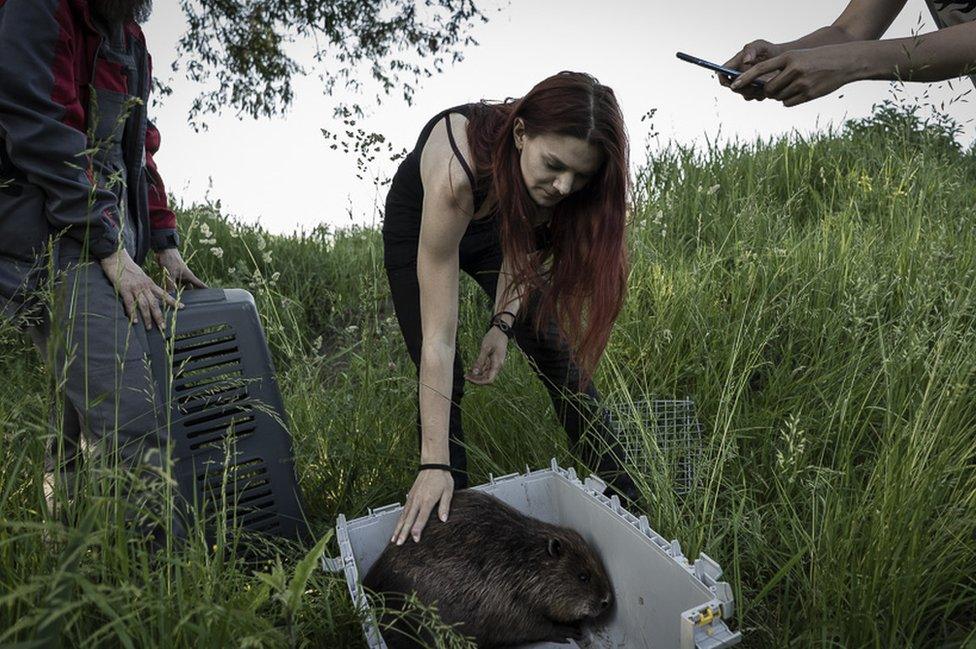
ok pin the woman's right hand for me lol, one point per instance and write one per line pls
(751, 54)
(138, 292)
(433, 487)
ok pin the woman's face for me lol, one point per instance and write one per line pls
(553, 165)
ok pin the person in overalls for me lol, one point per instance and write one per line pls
(80, 196)
(528, 197)
(850, 50)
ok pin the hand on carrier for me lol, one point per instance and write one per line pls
(139, 294)
(494, 347)
(432, 488)
(176, 272)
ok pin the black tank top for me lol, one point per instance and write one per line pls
(404, 202)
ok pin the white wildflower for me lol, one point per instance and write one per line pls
(217, 251)
(261, 242)
(714, 188)
(266, 256)
(205, 230)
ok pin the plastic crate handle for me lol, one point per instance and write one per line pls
(333, 564)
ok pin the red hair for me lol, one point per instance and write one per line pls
(583, 290)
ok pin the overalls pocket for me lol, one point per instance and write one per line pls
(107, 122)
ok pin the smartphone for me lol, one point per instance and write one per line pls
(715, 67)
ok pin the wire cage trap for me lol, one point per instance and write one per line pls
(662, 432)
(228, 434)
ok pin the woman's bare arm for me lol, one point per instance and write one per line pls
(507, 296)
(446, 213)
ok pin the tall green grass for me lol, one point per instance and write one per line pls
(814, 295)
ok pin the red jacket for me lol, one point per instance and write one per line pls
(76, 146)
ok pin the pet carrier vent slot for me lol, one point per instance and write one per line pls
(206, 350)
(217, 442)
(235, 473)
(232, 485)
(206, 357)
(218, 413)
(215, 399)
(229, 369)
(219, 488)
(208, 392)
(192, 336)
(257, 496)
(251, 518)
(235, 423)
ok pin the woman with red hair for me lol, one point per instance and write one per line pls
(529, 197)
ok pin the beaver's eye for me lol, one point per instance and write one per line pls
(584, 576)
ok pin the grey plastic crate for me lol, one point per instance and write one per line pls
(662, 600)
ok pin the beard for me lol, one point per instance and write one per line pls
(123, 11)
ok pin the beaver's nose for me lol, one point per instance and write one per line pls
(605, 604)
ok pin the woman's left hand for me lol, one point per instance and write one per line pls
(802, 75)
(177, 272)
(494, 346)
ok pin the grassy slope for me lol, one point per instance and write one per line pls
(814, 296)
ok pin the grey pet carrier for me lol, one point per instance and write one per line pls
(663, 601)
(227, 427)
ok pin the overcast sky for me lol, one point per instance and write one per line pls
(281, 172)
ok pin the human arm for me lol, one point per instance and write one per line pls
(802, 75)
(163, 236)
(43, 129)
(162, 222)
(42, 122)
(137, 290)
(494, 345)
(860, 20)
(446, 212)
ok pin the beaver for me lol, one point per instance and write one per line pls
(494, 574)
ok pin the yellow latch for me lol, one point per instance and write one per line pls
(705, 616)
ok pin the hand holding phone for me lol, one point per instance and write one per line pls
(731, 73)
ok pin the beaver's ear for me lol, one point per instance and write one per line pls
(555, 548)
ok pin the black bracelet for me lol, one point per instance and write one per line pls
(495, 317)
(440, 467)
(503, 326)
